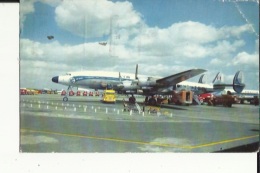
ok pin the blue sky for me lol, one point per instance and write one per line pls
(163, 36)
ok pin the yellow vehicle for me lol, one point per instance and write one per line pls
(109, 96)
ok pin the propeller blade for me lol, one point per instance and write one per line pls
(136, 71)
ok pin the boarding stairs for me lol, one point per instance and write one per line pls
(138, 107)
(196, 99)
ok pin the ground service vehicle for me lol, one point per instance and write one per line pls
(225, 100)
(23, 92)
(85, 93)
(63, 92)
(205, 97)
(71, 93)
(109, 96)
(183, 97)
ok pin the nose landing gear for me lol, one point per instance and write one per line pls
(65, 98)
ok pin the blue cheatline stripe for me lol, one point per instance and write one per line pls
(79, 78)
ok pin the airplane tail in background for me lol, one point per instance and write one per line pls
(238, 82)
(202, 79)
(218, 78)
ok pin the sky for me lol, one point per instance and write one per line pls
(163, 37)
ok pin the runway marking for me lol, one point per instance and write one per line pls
(143, 142)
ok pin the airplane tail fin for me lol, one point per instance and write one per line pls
(238, 82)
(202, 79)
(218, 78)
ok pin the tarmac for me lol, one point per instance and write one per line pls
(86, 125)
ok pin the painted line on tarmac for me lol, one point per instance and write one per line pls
(109, 139)
(142, 142)
(222, 142)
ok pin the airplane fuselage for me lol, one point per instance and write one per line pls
(100, 80)
(94, 79)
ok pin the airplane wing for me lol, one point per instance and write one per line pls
(179, 77)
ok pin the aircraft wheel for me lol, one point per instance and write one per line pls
(65, 99)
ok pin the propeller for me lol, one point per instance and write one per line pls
(120, 78)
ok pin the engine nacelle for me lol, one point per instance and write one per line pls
(219, 86)
(128, 85)
(149, 82)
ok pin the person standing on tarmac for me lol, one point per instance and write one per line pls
(152, 101)
(132, 99)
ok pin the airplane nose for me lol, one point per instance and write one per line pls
(55, 79)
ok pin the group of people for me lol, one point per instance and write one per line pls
(150, 101)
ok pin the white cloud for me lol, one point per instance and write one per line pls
(234, 31)
(216, 61)
(93, 18)
(243, 58)
(191, 40)
(26, 7)
(53, 3)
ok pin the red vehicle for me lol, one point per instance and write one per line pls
(205, 97)
(213, 99)
(78, 93)
(63, 92)
(85, 93)
(71, 93)
(23, 92)
(225, 100)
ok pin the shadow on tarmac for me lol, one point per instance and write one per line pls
(253, 147)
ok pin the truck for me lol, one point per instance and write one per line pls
(109, 96)
(225, 99)
(182, 97)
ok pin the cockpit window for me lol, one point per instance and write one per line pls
(68, 74)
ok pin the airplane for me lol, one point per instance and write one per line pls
(246, 95)
(50, 37)
(103, 43)
(128, 83)
(237, 90)
(216, 85)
